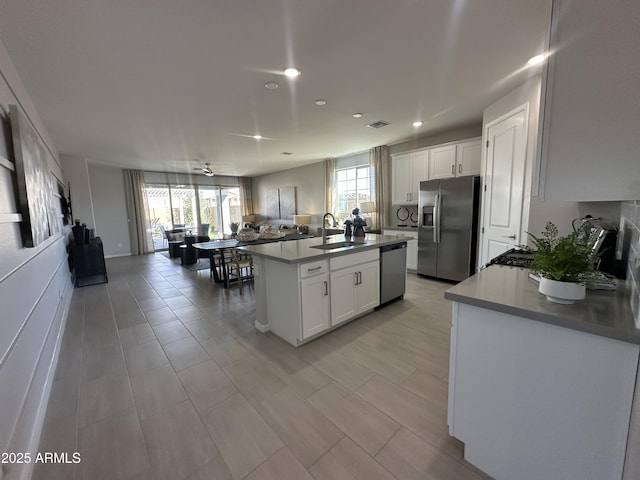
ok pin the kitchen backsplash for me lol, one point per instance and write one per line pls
(629, 249)
(404, 216)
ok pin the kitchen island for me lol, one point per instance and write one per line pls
(304, 290)
(542, 390)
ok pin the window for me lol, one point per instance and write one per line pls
(354, 186)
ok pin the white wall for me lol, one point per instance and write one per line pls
(309, 183)
(536, 213)
(97, 199)
(110, 209)
(35, 291)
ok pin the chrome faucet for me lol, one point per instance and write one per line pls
(324, 226)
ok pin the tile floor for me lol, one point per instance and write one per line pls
(162, 376)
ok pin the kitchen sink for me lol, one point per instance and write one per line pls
(334, 245)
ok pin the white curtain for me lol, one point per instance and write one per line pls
(137, 213)
(246, 195)
(379, 161)
(330, 195)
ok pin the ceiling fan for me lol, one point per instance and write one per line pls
(206, 169)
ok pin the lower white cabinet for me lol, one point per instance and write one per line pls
(354, 288)
(557, 400)
(314, 295)
(304, 300)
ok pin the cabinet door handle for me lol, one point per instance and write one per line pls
(326, 288)
(314, 268)
(359, 278)
(453, 169)
(356, 279)
(459, 168)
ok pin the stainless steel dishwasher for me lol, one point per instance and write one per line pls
(393, 271)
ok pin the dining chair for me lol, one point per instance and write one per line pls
(239, 267)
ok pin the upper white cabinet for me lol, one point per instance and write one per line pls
(457, 160)
(442, 161)
(468, 158)
(592, 113)
(408, 170)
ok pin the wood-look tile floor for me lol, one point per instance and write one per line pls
(161, 375)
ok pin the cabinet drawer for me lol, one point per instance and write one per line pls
(313, 268)
(352, 259)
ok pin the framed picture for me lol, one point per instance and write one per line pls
(36, 186)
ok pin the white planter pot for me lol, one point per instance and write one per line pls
(561, 292)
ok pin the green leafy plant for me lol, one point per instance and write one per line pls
(565, 259)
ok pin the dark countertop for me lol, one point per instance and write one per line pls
(301, 251)
(510, 290)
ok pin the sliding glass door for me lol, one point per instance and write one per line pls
(183, 207)
(219, 206)
(209, 200)
(204, 210)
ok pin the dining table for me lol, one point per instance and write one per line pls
(218, 247)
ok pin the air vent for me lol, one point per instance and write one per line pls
(378, 124)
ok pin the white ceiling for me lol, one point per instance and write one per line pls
(166, 85)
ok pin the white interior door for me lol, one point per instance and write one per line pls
(503, 190)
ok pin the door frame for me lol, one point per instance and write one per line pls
(523, 108)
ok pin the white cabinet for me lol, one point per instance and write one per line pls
(412, 246)
(442, 162)
(314, 294)
(568, 392)
(303, 301)
(457, 160)
(400, 178)
(355, 285)
(591, 108)
(468, 158)
(408, 170)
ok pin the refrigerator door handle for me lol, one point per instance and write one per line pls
(436, 219)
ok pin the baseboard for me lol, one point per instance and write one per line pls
(118, 255)
(262, 328)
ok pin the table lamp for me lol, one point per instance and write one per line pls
(303, 222)
(368, 209)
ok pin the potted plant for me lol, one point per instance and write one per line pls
(565, 264)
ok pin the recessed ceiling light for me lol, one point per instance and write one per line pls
(537, 60)
(271, 85)
(418, 123)
(320, 102)
(257, 137)
(292, 72)
(357, 115)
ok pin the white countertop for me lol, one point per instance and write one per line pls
(510, 290)
(299, 251)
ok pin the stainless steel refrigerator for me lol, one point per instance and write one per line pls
(448, 227)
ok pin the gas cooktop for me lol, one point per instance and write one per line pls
(516, 257)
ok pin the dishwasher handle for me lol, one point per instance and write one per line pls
(390, 248)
